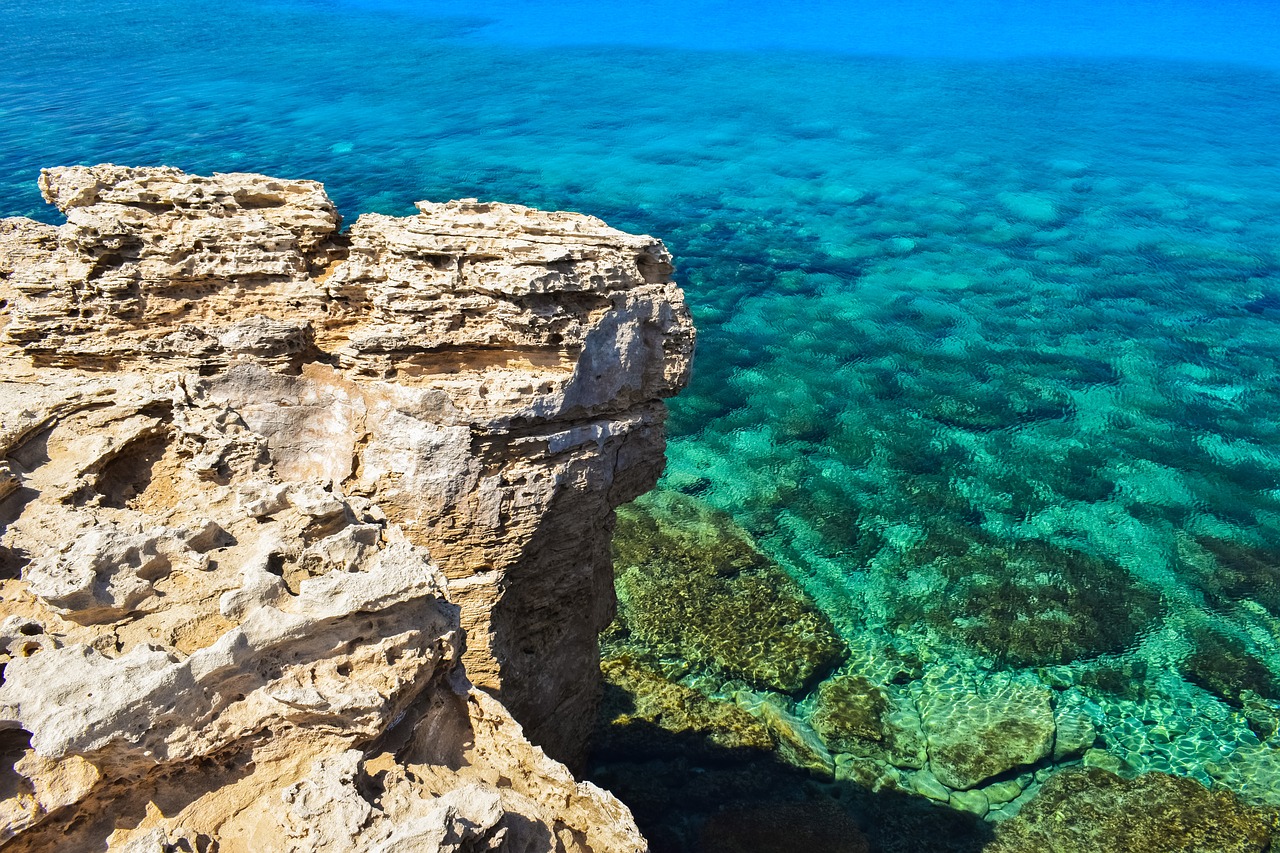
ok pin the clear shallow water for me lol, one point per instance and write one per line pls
(985, 340)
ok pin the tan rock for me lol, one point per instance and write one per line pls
(266, 489)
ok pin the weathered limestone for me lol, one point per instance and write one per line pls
(264, 485)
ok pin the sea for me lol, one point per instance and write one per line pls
(988, 301)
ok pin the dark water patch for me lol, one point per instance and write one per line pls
(1237, 572)
(1125, 679)
(692, 794)
(1225, 666)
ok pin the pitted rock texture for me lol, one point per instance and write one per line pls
(266, 488)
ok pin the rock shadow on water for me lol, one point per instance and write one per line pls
(700, 777)
(691, 792)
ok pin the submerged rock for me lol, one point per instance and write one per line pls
(639, 701)
(1251, 771)
(1235, 572)
(1092, 809)
(693, 586)
(1076, 730)
(1030, 206)
(1028, 603)
(855, 717)
(850, 713)
(798, 744)
(977, 729)
(1224, 666)
(984, 392)
(1125, 678)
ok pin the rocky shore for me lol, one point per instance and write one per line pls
(304, 533)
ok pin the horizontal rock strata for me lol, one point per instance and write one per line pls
(274, 497)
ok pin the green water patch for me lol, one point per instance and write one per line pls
(975, 669)
(703, 775)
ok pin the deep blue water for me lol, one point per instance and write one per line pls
(978, 273)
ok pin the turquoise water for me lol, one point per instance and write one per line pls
(989, 304)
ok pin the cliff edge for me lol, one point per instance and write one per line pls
(294, 522)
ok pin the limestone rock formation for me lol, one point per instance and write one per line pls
(267, 488)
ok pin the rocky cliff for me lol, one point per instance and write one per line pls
(273, 498)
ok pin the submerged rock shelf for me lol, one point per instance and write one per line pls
(283, 509)
(916, 751)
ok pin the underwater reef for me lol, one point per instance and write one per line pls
(691, 586)
(1092, 809)
(1025, 603)
(884, 723)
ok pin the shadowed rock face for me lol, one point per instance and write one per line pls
(263, 486)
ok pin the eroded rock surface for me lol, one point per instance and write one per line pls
(265, 488)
